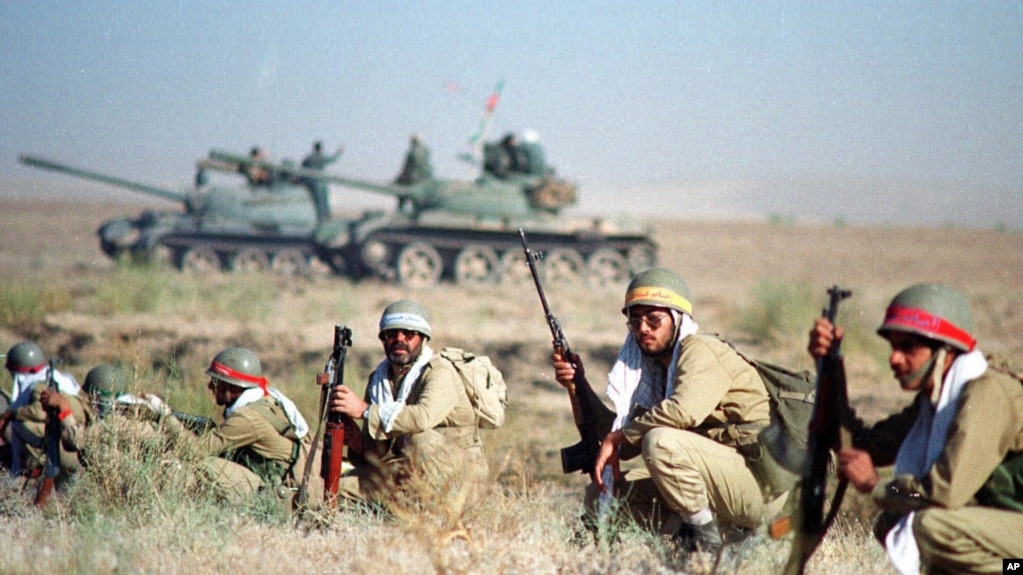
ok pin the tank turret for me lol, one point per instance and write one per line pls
(232, 228)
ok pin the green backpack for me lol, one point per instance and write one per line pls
(483, 383)
(777, 456)
(1004, 489)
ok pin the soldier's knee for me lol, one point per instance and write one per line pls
(655, 444)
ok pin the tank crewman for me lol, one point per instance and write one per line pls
(416, 419)
(254, 171)
(684, 401)
(503, 158)
(955, 504)
(417, 167)
(30, 399)
(317, 160)
(263, 441)
(534, 161)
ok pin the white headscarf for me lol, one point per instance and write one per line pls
(254, 394)
(631, 383)
(922, 447)
(380, 387)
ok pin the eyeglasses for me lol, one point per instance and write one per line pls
(393, 334)
(652, 319)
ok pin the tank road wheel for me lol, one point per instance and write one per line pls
(290, 263)
(514, 270)
(476, 265)
(564, 265)
(641, 257)
(250, 260)
(200, 260)
(419, 265)
(607, 268)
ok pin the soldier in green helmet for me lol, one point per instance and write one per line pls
(30, 371)
(418, 425)
(955, 503)
(685, 402)
(263, 440)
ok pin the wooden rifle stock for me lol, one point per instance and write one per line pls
(582, 456)
(334, 434)
(828, 430)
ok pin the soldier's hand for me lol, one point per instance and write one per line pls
(608, 455)
(822, 335)
(54, 400)
(565, 370)
(344, 400)
(156, 405)
(857, 466)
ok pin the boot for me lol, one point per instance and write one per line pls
(706, 537)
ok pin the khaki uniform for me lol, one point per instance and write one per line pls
(688, 442)
(954, 534)
(434, 442)
(254, 448)
(29, 423)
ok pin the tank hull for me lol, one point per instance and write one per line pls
(418, 254)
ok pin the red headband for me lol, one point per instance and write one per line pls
(228, 372)
(928, 323)
(31, 369)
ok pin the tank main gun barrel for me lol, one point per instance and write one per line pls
(95, 176)
(299, 173)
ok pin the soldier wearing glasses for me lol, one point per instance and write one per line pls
(419, 436)
(685, 402)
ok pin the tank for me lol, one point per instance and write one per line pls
(264, 225)
(466, 231)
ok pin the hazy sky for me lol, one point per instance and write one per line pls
(872, 111)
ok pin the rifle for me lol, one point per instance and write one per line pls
(194, 423)
(51, 468)
(334, 436)
(829, 430)
(582, 456)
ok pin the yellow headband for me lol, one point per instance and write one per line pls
(658, 296)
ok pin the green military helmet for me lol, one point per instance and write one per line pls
(932, 310)
(105, 381)
(237, 366)
(405, 314)
(25, 357)
(659, 287)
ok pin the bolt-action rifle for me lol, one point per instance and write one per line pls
(829, 429)
(582, 456)
(51, 439)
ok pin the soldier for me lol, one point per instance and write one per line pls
(317, 160)
(263, 441)
(685, 401)
(254, 171)
(417, 167)
(417, 421)
(955, 504)
(27, 415)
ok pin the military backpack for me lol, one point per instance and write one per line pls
(483, 383)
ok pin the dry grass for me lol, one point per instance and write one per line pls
(137, 513)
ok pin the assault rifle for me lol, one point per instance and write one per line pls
(51, 442)
(334, 435)
(194, 423)
(582, 456)
(828, 430)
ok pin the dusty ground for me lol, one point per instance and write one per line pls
(290, 323)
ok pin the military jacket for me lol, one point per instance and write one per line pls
(437, 401)
(715, 391)
(988, 426)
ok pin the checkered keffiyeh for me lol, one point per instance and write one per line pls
(631, 380)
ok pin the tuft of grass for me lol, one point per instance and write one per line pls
(779, 312)
(23, 306)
